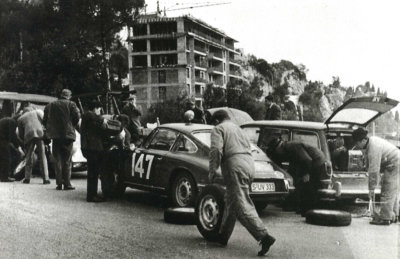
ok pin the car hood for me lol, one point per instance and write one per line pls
(361, 110)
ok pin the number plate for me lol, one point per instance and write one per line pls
(262, 187)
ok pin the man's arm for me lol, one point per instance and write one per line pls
(305, 159)
(216, 151)
(75, 114)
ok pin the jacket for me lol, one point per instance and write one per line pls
(60, 119)
(273, 112)
(30, 126)
(92, 132)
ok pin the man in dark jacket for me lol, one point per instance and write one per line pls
(92, 148)
(198, 113)
(230, 149)
(60, 119)
(134, 112)
(273, 111)
(8, 138)
(306, 165)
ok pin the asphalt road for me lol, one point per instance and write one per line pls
(36, 221)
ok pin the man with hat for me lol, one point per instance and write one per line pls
(134, 112)
(60, 119)
(306, 166)
(273, 111)
(383, 159)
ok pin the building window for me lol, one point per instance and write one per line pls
(188, 88)
(162, 93)
(197, 89)
(187, 72)
(162, 78)
(224, 67)
(224, 79)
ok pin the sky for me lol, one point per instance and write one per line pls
(356, 40)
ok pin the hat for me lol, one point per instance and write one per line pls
(66, 94)
(273, 143)
(269, 98)
(359, 134)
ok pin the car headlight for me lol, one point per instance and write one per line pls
(279, 174)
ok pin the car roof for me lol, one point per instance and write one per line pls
(287, 124)
(186, 127)
(35, 98)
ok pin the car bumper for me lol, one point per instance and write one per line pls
(336, 191)
(269, 197)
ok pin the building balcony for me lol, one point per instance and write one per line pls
(214, 70)
(202, 64)
(200, 80)
(200, 49)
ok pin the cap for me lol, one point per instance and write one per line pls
(66, 94)
(359, 134)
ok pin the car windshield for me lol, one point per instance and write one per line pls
(203, 136)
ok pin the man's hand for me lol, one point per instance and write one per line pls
(104, 123)
(306, 178)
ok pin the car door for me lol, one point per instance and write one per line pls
(151, 157)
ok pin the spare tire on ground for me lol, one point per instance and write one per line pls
(209, 211)
(182, 216)
(328, 217)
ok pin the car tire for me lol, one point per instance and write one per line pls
(260, 206)
(328, 217)
(209, 211)
(182, 216)
(183, 190)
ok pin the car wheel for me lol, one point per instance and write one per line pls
(209, 211)
(260, 205)
(183, 216)
(183, 192)
(328, 217)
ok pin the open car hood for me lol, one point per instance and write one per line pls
(361, 110)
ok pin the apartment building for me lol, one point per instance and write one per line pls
(171, 56)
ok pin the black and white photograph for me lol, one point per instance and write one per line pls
(199, 129)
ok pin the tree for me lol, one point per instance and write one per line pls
(214, 96)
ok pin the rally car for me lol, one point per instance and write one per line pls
(173, 160)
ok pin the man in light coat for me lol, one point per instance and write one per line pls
(231, 150)
(383, 158)
(31, 133)
(60, 119)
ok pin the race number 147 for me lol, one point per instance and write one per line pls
(139, 167)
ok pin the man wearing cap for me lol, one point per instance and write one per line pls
(306, 166)
(273, 111)
(383, 158)
(198, 113)
(60, 119)
(230, 149)
(30, 129)
(134, 112)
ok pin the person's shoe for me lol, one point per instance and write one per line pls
(59, 187)
(68, 188)
(46, 181)
(381, 222)
(27, 181)
(7, 180)
(95, 199)
(266, 243)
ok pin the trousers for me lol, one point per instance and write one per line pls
(94, 170)
(30, 148)
(62, 153)
(5, 159)
(238, 172)
(390, 193)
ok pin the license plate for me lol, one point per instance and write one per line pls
(262, 187)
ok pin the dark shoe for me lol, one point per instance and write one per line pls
(46, 181)
(68, 188)
(266, 243)
(381, 222)
(59, 187)
(7, 180)
(27, 181)
(95, 199)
